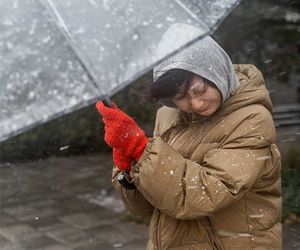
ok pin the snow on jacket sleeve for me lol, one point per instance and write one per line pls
(187, 190)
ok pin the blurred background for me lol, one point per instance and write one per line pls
(265, 33)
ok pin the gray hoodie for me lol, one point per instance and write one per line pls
(205, 58)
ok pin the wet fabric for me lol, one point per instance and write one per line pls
(212, 182)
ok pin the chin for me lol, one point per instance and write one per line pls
(205, 115)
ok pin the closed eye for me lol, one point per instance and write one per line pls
(179, 96)
(197, 91)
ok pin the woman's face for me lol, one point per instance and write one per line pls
(201, 98)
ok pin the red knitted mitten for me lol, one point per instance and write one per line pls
(122, 161)
(122, 132)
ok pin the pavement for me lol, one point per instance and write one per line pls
(68, 203)
(64, 204)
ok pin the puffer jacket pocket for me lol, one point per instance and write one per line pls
(172, 233)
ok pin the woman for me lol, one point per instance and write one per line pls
(210, 176)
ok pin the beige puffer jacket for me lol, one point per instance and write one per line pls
(212, 183)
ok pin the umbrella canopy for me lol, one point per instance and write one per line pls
(62, 55)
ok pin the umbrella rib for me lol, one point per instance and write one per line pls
(67, 34)
(187, 10)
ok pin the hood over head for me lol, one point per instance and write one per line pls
(204, 57)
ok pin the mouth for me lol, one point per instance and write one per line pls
(204, 110)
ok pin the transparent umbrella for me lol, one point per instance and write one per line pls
(61, 55)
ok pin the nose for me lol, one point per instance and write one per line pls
(196, 104)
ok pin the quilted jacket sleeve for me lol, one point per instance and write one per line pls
(132, 199)
(187, 190)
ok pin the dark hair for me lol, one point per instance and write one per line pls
(167, 85)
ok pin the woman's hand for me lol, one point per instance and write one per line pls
(122, 132)
(121, 161)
